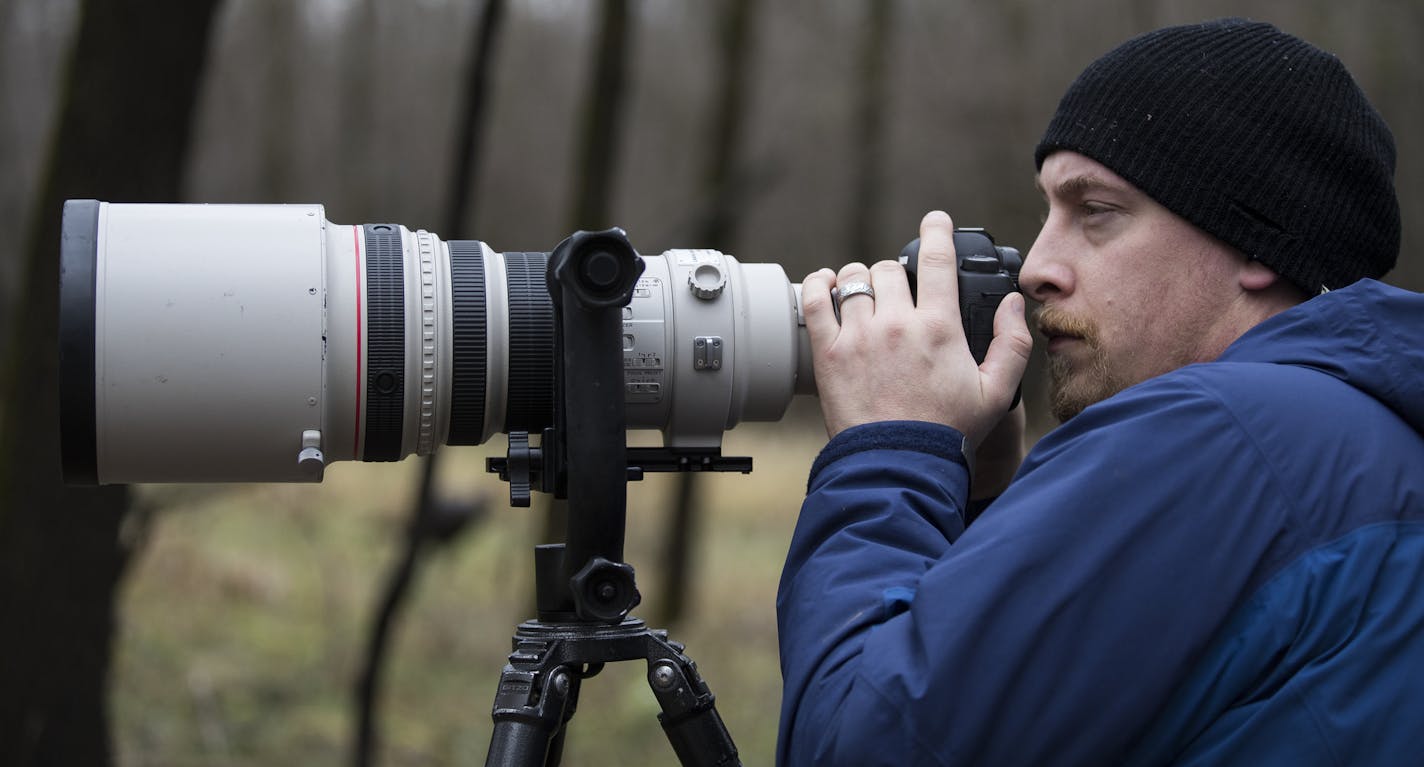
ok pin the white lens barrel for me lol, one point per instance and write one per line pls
(709, 342)
(208, 345)
(237, 343)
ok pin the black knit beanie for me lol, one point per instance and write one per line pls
(1251, 134)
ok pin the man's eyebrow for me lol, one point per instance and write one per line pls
(1077, 186)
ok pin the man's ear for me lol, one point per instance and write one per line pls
(1261, 281)
(1256, 276)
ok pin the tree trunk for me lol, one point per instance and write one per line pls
(425, 526)
(121, 134)
(866, 189)
(360, 58)
(728, 118)
(599, 128)
(459, 216)
(720, 178)
(602, 121)
(281, 36)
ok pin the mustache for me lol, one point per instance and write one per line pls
(1052, 321)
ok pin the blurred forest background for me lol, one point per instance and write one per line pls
(227, 625)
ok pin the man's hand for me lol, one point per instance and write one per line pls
(999, 456)
(890, 359)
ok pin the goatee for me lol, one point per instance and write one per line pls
(1073, 386)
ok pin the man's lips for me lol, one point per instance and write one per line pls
(1059, 342)
(1062, 330)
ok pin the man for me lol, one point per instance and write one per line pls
(1218, 558)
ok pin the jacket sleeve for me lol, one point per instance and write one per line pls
(1048, 632)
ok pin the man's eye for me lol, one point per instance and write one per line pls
(1094, 208)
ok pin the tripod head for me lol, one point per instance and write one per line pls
(591, 276)
(583, 457)
(584, 590)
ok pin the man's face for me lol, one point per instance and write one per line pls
(1129, 289)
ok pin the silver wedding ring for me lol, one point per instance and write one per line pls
(855, 289)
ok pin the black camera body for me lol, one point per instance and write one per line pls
(987, 273)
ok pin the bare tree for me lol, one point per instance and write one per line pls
(122, 133)
(727, 118)
(432, 520)
(359, 65)
(596, 159)
(869, 119)
(720, 176)
(602, 120)
(279, 21)
(459, 219)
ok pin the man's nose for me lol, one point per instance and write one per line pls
(1045, 274)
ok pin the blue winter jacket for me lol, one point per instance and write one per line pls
(1221, 565)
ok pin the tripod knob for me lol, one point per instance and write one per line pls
(521, 463)
(604, 591)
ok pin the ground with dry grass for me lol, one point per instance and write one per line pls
(244, 618)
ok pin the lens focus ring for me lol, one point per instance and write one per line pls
(531, 343)
(469, 343)
(385, 338)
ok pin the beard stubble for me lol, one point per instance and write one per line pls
(1075, 386)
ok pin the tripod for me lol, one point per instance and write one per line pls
(584, 591)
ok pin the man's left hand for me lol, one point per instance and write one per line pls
(892, 359)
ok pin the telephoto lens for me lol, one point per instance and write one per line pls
(237, 343)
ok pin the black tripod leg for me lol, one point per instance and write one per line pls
(689, 718)
(530, 711)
